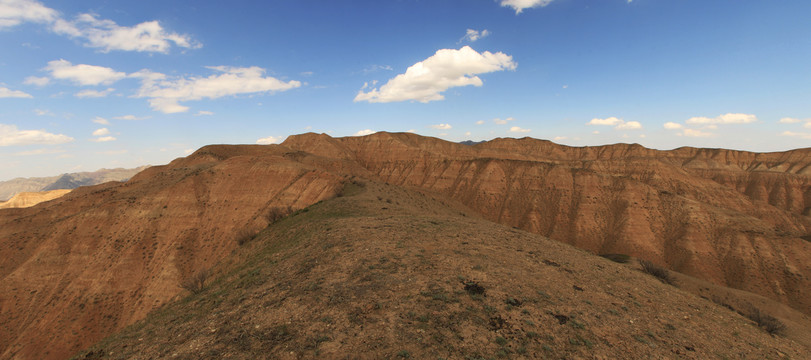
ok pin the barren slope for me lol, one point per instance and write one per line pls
(77, 268)
(29, 199)
(734, 218)
(387, 273)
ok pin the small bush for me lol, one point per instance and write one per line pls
(765, 321)
(277, 213)
(617, 258)
(657, 271)
(244, 236)
(196, 282)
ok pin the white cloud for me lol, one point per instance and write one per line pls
(480, 122)
(796, 134)
(730, 118)
(441, 126)
(617, 123)
(103, 139)
(43, 112)
(15, 12)
(83, 74)
(106, 35)
(673, 126)
(37, 81)
(101, 120)
(503, 121)
(131, 117)
(473, 35)
(595, 132)
(10, 135)
(696, 133)
(8, 93)
(204, 113)
(519, 130)
(520, 5)
(807, 125)
(559, 138)
(411, 131)
(608, 121)
(101, 132)
(269, 140)
(164, 94)
(427, 79)
(93, 93)
(788, 120)
(630, 125)
(364, 132)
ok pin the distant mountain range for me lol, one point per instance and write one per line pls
(65, 181)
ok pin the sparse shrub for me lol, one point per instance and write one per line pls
(404, 354)
(277, 213)
(617, 258)
(473, 288)
(196, 282)
(501, 341)
(765, 321)
(244, 236)
(657, 271)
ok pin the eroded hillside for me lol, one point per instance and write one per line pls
(734, 218)
(387, 273)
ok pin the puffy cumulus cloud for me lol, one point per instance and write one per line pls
(164, 94)
(104, 139)
(696, 133)
(559, 138)
(8, 93)
(730, 118)
(503, 121)
(630, 125)
(480, 122)
(101, 132)
(83, 74)
(520, 5)
(517, 129)
(269, 140)
(427, 79)
(796, 134)
(672, 126)
(616, 122)
(15, 12)
(473, 35)
(106, 35)
(10, 135)
(93, 93)
(37, 81)
(441, 126)
(364, 132)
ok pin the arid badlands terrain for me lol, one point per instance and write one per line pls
(403, 246)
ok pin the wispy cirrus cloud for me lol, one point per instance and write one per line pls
(165, 94)
(426, 80)
(93, 31)
(8, 93)
(94, 93)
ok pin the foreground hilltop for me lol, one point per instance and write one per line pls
(383, 272)
(100, 258)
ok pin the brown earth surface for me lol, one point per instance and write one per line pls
(387, 273)
(29, 199)
(83, 266)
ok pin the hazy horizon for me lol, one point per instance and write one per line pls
(93, 84)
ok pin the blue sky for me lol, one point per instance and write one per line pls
(101, 84)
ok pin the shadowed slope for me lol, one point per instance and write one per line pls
(384, 272)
